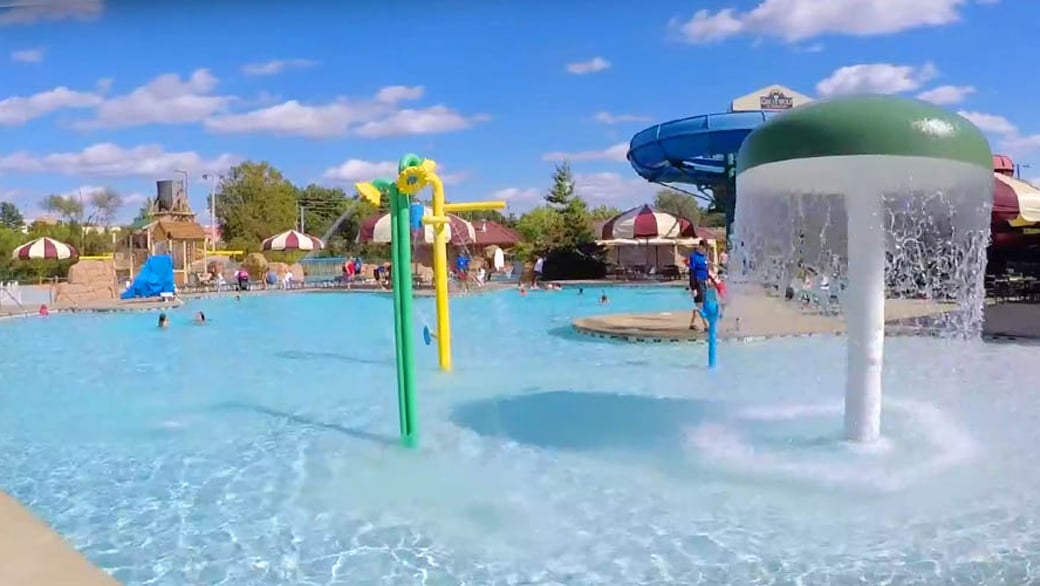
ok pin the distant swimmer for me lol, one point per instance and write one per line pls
(200, 318)
(603, 300)
(164, 322)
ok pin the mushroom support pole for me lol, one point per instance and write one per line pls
(439, 220)
(865, 316)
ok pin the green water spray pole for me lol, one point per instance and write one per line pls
(395, 262)
(402, 275)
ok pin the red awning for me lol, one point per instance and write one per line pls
(1003, 164)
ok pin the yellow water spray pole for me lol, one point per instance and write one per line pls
(439, 220)
(440, 272)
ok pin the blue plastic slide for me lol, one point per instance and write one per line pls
(155, 278)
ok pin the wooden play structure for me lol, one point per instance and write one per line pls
(169, 228)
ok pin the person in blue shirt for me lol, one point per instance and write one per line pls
(699, 272)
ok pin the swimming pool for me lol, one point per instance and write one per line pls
(261, 449)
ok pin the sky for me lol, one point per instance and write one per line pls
(121, 93)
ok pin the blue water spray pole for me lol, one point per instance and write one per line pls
(711, 313)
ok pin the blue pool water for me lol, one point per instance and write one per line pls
(260, 449)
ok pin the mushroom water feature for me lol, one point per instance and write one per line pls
(867, 199)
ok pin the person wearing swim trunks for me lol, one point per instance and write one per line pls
(699, 283)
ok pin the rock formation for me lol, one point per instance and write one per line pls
(90, 282)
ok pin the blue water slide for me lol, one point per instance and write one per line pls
(154, 279)
(692, 150)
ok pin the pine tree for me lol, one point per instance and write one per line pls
(575, 228)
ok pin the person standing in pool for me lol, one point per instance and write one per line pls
(539, 264)
(699, 271)
(164, 322)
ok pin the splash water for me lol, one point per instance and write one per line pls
(844, 233)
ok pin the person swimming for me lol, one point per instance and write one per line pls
(238, 297)
(603, 300)
(581, 290)
(200, 318)
(163, 320)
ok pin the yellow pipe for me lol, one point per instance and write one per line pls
(474, 206)
(435, 220)
(440, 274)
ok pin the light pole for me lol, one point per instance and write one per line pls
(1019, 167)
(212, 207)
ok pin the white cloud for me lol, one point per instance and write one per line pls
(879, 78)
(21, 13)
(1009, 137)
(377, 116)
(354, 170)
(28, 55)
(518, 196)
(433, 120)
(613, 188)
(617, 153)
(167, 99)
(18, 110)
(110, 160)
(276, 66)
(798, 20)
(608, 118)
(591, 66)
(400, 93)
(990, 123)
(945, 95)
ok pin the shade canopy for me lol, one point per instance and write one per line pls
(293, 240)
(644, 222)
(866, 125)
(44, 248)
(377, 229)
(1015, 202)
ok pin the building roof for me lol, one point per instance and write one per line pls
(489, 233)
(181, 230)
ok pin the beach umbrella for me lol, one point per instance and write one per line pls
(377, 229)
(293, 240)
(644, 222)
(44, 248)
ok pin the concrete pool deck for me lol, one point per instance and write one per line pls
(31, 554)
(749, 319)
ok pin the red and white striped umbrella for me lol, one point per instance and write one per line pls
(44, 248)
(293, 240)
(643, 222)
(377, 229)
(1015, 202)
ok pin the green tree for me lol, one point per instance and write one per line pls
(540, 228)
(144, 213)
(603, 212)
(105, 204)
(10, 216)
(67, 207)
(256, 201)
(322, 206)
(682, 205)
(576, 228)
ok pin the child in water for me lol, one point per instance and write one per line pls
(603, 299)
(163, 321)
(200, 318)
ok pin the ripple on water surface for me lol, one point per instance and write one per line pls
(260, 449)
